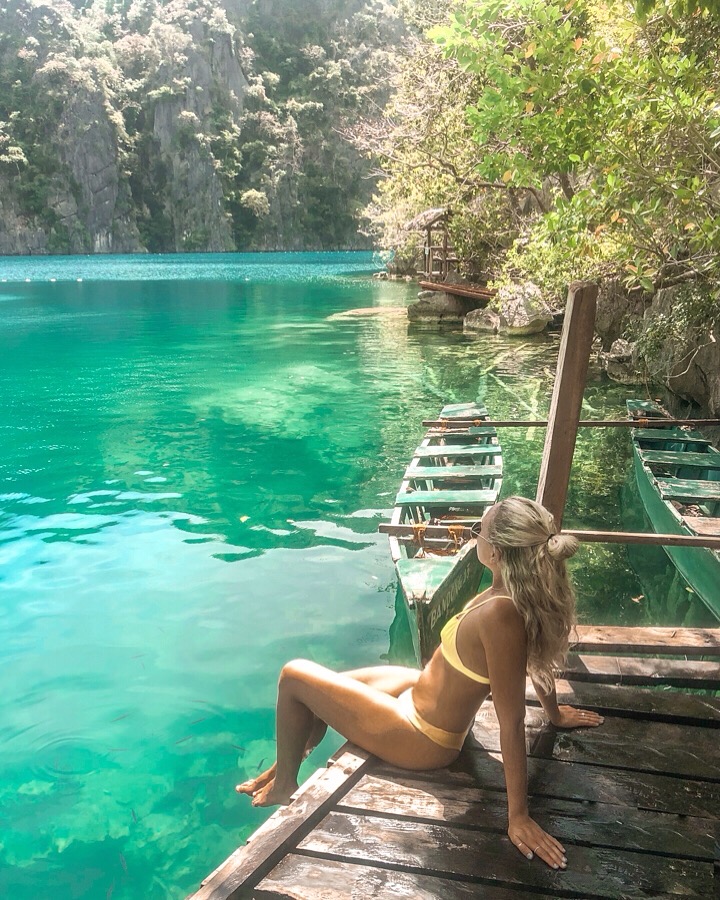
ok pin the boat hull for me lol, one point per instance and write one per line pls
(699, 567)
(454, 476)
(432, 597)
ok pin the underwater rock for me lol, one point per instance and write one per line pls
(620, 362)
(483, 321)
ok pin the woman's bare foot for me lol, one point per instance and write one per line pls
(274, 794)
(254, 784)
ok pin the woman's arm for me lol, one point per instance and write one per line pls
(503, 637)
(565, 716)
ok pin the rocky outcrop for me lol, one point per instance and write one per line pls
(439, 308)
(518, 309)
(523, 309)
(620, 362)
(616, 310)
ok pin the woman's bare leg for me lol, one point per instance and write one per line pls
(392, 680)
(360, 712)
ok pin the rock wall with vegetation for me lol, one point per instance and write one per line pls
(181, 125)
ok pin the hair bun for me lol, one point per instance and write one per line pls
(562, 546)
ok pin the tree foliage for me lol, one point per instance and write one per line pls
(608, 117)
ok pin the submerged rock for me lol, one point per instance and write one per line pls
(483, 320)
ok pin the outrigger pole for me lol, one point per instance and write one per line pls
(637, 422)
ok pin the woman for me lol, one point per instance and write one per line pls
(419, 719)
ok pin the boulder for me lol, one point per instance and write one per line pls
(523, 309)
(439, 307)
(620, 362)
(483, 320)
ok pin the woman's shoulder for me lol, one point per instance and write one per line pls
(498, 610)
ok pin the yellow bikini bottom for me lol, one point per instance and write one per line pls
(451, 740)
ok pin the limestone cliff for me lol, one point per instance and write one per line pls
(183, 125)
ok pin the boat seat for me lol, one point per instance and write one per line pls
(675, 458)
(463, 411)
(449, 498)
(703, 525)
(661, 435)
(448, 451)
(689, 490)
(453, 472)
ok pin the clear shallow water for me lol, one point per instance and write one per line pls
(192, 469)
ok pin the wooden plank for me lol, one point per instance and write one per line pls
(573, 359)
(702, 525)
(675, 458)
(455, 499)
(462, 853)
(597, 824)
(689, 489)
(676, 641)
(452, 451)
(449, 473)
(455, 289)
(627, 670)
(313, 878)
(283, 829)
(635, 703)
(580, 783)
(618, 743)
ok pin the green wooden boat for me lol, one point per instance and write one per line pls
(678, 476)
(455, 474)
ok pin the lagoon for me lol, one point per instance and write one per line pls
(195, 453)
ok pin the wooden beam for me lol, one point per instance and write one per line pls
(709, 541)
(458, 290)
(566, 403)
(639, 537)
(460, 424)
(642, 671)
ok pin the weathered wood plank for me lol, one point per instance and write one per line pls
(703, 525)
(311, 878)
(675, 641)
(452, 451)
(617, 743)
(642, 671)
(449, 473)
(659, 705)
(596, 824)
(688, 459)
(283, 829)
(675, 435)
(579, 782)
(566, 402)
(452, 851)
(689, 490)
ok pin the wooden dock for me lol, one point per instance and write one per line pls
(635, 802)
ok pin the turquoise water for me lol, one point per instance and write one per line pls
(195, 453)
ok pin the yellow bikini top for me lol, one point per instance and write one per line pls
(448, 642)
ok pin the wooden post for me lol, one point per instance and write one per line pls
(573, 359)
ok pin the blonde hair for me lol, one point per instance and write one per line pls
(532, 564)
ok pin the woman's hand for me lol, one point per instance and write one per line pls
(531, 841)
(569, 717)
